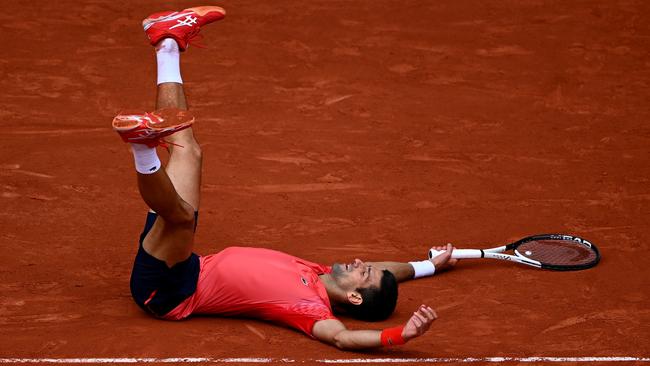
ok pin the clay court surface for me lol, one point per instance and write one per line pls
(334, 130)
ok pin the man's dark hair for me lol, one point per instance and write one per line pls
(378, 303)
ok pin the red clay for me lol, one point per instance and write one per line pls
(335, 130)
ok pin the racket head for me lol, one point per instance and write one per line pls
(558, 252)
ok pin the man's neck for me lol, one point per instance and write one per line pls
(334, 292)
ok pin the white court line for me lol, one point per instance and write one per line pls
(337, 361)
(489, 359)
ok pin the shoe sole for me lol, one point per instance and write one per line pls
(166, 119)
(172, 118)
(127, 121)
(203, 10)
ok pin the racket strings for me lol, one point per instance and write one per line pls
(557, 252)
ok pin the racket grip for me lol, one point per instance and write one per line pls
(458, 253)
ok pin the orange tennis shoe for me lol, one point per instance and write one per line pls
(150, 128)
(183, 26)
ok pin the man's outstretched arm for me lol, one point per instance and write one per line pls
(334, 332)
(405, 271)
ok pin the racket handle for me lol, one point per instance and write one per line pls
(458, 253)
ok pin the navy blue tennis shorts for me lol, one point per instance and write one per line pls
(155, 287)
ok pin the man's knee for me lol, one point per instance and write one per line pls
(183, 216)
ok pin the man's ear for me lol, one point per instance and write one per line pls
(354, 298)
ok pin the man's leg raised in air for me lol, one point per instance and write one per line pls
(171, 192)
(184, 167)
(172, 241)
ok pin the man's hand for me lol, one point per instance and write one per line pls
(419, 322)
(444, 261)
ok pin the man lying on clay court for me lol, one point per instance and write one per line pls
(171, 282)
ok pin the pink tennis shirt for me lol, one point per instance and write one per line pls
(259, 283)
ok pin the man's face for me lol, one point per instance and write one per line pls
(357, 274)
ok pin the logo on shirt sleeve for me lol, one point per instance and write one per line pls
(304, 281)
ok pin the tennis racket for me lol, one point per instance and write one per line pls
(547, 251)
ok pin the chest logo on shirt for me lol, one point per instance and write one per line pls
(304, 281)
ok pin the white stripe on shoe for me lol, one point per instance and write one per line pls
(147, 23)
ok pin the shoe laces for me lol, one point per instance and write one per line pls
(164, 143)
(194, 38)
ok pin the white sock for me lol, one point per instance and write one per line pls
(146, 159)
(169, 62)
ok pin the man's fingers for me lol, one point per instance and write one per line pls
(420, 321)
(420, 316)
(422, 312)
(428, 312)
(443, 248)
(416, 321)
(446, 247)
(426, 316)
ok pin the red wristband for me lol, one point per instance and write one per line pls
(392, 336)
